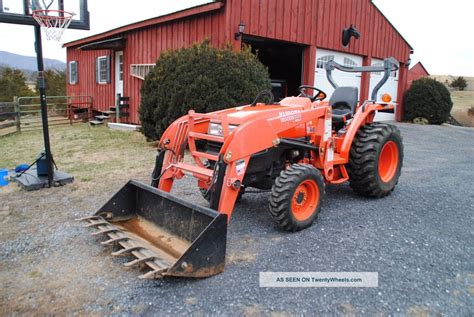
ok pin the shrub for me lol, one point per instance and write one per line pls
(201, 78)
(13, 83)
(459, 83)
(428, 98)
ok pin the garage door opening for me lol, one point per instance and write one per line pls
(284, 61)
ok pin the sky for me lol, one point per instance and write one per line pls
(440, 31)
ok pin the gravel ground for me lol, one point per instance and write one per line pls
(417, 239)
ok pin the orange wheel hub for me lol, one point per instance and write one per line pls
(388, 161)
(305, 200)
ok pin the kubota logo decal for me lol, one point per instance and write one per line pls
(290, 115)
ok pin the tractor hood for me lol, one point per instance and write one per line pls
(240, 115)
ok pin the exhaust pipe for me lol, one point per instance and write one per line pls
(167, 235)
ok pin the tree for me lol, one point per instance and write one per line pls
(459, 82)
(13, 83)
(202, 78)
(55, 82)
(429, 99)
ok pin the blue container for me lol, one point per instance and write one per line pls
(3, 176)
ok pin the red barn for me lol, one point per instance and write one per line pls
(416, 72)
(301, 33)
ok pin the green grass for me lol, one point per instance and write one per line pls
(88, 153)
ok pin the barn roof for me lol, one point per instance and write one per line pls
(420, 64)
(204, 8)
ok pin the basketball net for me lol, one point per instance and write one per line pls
(53, 22)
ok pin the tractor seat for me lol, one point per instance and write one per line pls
(343, 102)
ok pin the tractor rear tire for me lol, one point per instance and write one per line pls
(375, 160)
(296, 197)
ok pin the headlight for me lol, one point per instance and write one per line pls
(216, 129)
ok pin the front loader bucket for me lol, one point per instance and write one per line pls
(168, 235)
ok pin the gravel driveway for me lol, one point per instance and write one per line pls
(419, 240)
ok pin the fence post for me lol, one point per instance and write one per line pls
(18, 114)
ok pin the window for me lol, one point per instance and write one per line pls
(121, 67)
(140, 70)
(73, 73)
(349, 62)
(322, 61)
(392, 74)
(103, 70)
(377, 73)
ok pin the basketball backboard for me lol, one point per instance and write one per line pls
(20, 11)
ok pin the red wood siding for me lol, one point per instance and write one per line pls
(143, 46)
(319, 23)
(103, 94)
(416, 72)
(314, 23)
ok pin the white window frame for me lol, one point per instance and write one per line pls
(73, 76)
(141, 70)
(323, 60)
(101, 71)
(349, 62)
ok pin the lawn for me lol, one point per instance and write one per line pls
(90, 154)
(463, 101)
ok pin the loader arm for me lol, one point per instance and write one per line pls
(238, 147)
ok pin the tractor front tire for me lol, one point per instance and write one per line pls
(375, 160)
(296, 197)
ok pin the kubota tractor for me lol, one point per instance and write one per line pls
(292, 148)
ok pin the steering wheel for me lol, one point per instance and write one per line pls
(264, 93)
(320, 95)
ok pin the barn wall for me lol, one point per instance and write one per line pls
(314, 23)
(319, 23)
(144, 46)
(104, 94)
(415, 73)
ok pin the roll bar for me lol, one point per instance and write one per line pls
(390, 64)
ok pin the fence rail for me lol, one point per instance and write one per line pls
(24, 113)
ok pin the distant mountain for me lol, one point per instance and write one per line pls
(28, 63)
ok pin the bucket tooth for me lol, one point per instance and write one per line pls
(114, 240)
(105, 231)
(126, 250)
(152, 274)
(96, 224)
(90, 218)
(140, 260)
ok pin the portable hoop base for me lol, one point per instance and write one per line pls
(53, 22)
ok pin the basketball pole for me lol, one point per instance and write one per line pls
(44, 106)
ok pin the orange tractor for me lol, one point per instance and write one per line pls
(292, 148)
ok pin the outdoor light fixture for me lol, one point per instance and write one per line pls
(238, 35)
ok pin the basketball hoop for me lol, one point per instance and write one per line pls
(53, 22)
